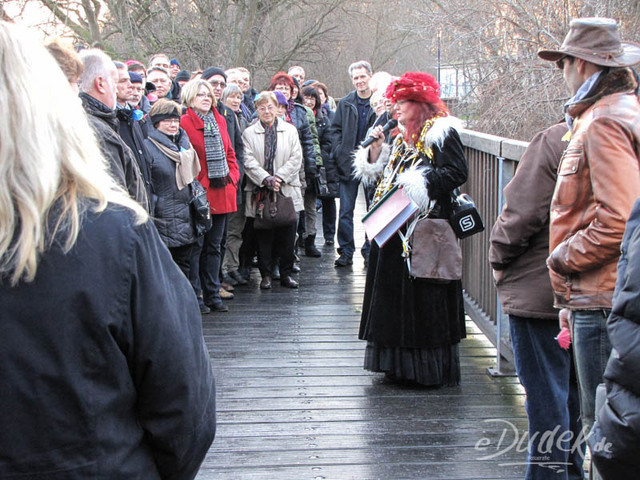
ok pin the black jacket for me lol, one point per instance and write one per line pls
(104, 370)
(344, 131)
(133, 135)
(121, 161)
(299, 120)
(323, 123)
(172, 214)
(615, 437)
(235, 135)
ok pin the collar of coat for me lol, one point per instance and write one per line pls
(616, 80)
(279, 126)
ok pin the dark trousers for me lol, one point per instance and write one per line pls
(211, 259)
(553, 406)
(328, 218)
(186, 257)
(276, 243)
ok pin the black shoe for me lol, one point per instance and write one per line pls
(275, 272)
(288, 282)
(343, 260)
(218, 307)
(227, 278)
(204, 309)
(237, 276)
(295, 268)
(310, 249)
(329, 243)
(265, 283)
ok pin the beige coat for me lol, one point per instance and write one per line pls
(286, 165)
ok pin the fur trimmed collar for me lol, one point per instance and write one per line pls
(616, 80)
(435, 136)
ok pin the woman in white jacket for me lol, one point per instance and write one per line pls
(273, 159)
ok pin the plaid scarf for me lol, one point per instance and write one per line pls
(270, 145)
(217, 168)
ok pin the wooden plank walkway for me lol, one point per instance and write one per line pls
(295, 403)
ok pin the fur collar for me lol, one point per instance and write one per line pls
(435, 136)
(615, 81)
(370, 173)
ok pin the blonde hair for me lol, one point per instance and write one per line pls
(264, 97)
(67, 59)
(191, 89)
(49, 158)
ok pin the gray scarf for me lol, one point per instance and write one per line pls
(217, 167)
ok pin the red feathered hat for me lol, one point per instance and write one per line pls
(416, 86)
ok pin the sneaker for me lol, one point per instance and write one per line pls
(225, 294)
(343, 260)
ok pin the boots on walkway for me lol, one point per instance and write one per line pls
(310, 249)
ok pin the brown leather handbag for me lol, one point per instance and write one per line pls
(274, 210)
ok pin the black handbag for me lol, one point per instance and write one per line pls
(322, 189)
(200, 210)
(274, 210)
(465, 218)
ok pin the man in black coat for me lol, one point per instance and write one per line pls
(129, 128)
(98, 85)
(353, 117)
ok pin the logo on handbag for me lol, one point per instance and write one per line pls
(467, 223)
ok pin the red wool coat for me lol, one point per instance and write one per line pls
(221, 200)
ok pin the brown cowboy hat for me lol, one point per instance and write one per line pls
(595, 40)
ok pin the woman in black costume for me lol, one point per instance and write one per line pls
(413, 326)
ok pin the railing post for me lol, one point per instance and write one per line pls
(503, 368)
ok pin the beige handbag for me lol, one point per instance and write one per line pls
(434, 252)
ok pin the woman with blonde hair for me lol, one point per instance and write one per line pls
(101, 358)
(219, 175)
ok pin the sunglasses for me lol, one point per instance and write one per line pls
(560, 62)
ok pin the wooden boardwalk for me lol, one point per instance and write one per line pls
(295, 403)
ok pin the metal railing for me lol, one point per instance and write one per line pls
(492, 164)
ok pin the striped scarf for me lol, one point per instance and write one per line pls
(217, 167)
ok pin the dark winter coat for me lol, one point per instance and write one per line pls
(235, 135)
(247, 99)
(131, 132)
(122, 164)
(344, 131)
(323, 123)
(104, 370)
(618, 424)
(298, 118)
(520, 236)
(172, 213)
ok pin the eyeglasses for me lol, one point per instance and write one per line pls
(218, 84)
(202, 95)
(265, 108)
(560, 62)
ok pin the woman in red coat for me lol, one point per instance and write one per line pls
(219, 174)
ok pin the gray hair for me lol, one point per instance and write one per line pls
(119, 65)
(360, 64)
(96, 64)
(231, 89)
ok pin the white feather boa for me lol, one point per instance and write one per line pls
(370, 173)
(414, 184)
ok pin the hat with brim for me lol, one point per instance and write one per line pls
(595, 40)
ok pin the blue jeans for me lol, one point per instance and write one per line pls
(591, 349)
(552, 405)
(348, 196)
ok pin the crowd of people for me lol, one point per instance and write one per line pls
(106, 235)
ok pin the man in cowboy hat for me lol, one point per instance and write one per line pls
(598, 182)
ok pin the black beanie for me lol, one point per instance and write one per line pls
(211, 71)
(183, 75)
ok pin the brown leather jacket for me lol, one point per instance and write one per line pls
(598, 183)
